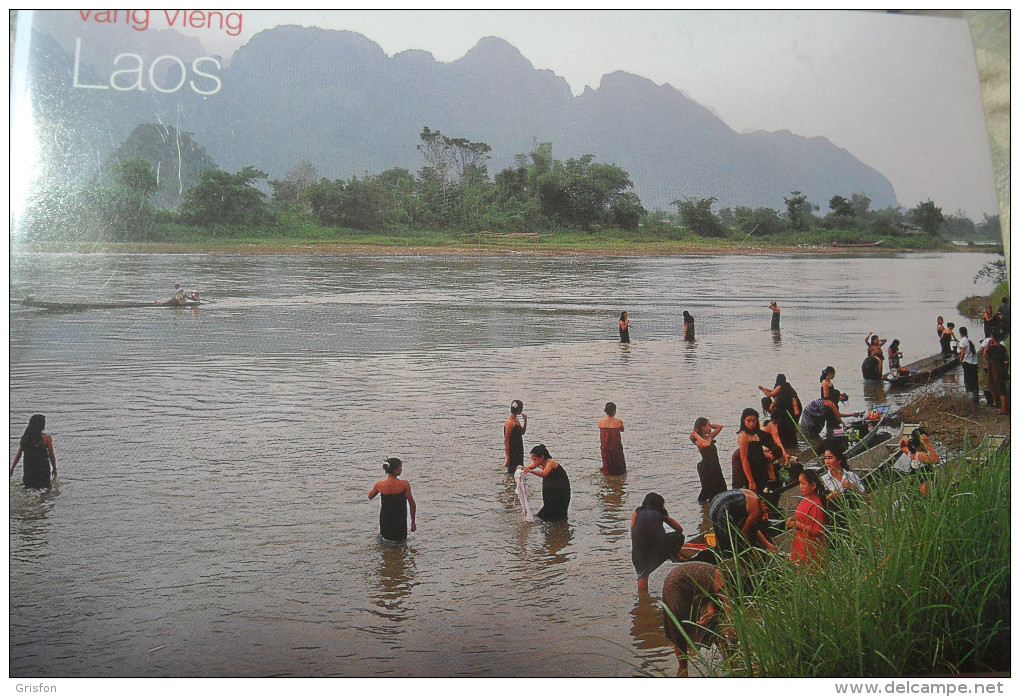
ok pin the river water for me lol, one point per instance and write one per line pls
(211, 516)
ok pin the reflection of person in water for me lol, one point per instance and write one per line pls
(396, 498)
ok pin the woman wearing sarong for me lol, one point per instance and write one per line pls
(555, 484)
(610, 428)
(396, 497)
(650, 544)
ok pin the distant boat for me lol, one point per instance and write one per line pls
(83, 306)
(860, 244)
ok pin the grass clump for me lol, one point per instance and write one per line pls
(919, 584)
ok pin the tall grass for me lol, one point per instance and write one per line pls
(919, 585)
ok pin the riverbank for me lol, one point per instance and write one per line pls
(472, 245)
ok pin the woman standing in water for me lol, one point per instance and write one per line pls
(709, 469)
(624, 328)
(688, 326)
(396, 498)
(775, 315)
(785, 407)
(513, 436)
(752, 466)
(555, 484)
(650, 544)
(610, 429)
(37, 447)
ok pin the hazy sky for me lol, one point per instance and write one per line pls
(901, 93)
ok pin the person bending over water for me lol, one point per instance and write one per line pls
(37, 447)
(650, 544)
(610, 429)
(693, 593)
(624, 328)
(739, 519)
(555, 484)
(894, 356)
(514, 428)
(709, 469)
(396, 498)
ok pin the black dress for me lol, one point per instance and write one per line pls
(625, 335)
(555, 495)
(393, 517)
(710, 473)
(787, 402)
(516, 454)
(775, 320)
(651, 545)
(759, 467)
(36, 465)
(689, 330)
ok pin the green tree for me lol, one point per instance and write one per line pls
(696, 215)
(176, 159)
(860, 204)
(136, 175)
(762, 222)
(451, 161)
(798, 210)
(842, 207)
(224, 199)
(928, 216)
(290, 191)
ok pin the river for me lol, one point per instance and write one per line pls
(211, 516)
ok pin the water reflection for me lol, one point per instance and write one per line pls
(649, 640)
(613, 522)
(557, 538)
(874, 392)
(396, 574)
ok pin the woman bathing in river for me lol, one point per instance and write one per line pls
(514, 428)
(624, 328)
(650, 544)
(709, 469)
(610, 428)
(396, 497)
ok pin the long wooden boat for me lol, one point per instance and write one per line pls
(856, 244)
(866, 464)
(84, 306)
(922, 370)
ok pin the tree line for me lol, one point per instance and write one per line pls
(133, 200)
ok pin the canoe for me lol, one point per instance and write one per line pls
(866, 464)
(82, 307)
(860, 434)
(923, 370)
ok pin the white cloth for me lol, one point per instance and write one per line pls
(969, 354)
(833, 484)
(522, 493)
